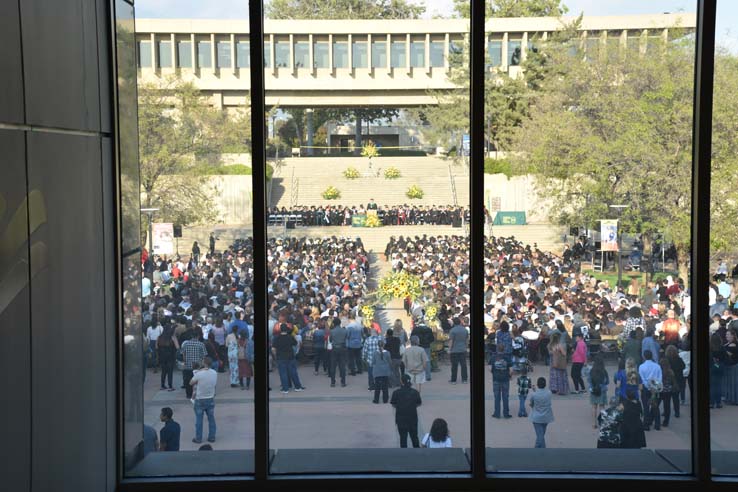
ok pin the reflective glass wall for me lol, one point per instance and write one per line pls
(367, 249)
(587, 193)
(722, 319)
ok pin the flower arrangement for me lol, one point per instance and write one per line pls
(351, 173)
(331, 193)
(399, 285)
(367, 315)
(372, 221)
(369, 150)
(392, 173)
(431, 315)
(415, 192)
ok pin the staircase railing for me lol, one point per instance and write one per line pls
(294, 189)
(453, 186)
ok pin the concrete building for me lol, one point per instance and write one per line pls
(360, 63)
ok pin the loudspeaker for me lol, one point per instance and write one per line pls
(574, 231)
(177, 231)
(598, 245)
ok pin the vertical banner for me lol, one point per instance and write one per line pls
(163, 238)
(609, 232)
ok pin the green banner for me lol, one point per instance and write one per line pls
(358, 220)
(510, 218)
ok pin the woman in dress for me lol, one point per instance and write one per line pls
(632, 435)
(730, 377)
(677, 366)
(598, 382)
(245, 354)
(232, 344)
(438, 437)
(559, 381)
(219, 331)
(670, 391)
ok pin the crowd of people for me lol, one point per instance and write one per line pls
(338, 215)
(538, 306)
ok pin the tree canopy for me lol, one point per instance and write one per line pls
(343, 9)
(515, 8)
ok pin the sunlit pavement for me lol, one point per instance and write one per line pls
(325, 417)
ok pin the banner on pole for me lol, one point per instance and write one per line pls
(609, 233)
(163, 238)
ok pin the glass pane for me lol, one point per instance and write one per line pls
(243, 55)
(359, 178)
(340, 55)
(398, 54)
(187, 289)
(359, 55)
(165, 54)
(302, 55)
(282, 54)
(586, 303)
(204, 56)
(436, 53)
(417, 54)
(723, 294)
(494, 51)
(224, 54)
(379, 54)
(144, 54)
(184, 54)
(267, 55)
(513, 53)
(320, 54)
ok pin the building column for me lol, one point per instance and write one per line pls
(357, 139)
(309, 130)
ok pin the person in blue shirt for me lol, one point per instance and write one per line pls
(650, 345)
(241, 324)
(169, 434)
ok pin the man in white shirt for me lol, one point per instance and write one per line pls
(207, 327)
(651, 376)
(204, 382)
(153, 333)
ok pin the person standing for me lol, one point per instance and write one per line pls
(670, 328)
(392, 344)
(205, 381)
(598, 382)
(380, 369)
(651, 376)
(650, 345)
(232, 344)
(524, 385)
(169, 434)
(670, 390)
(416, 361)
(578, 359)
(541, 411)
(557, 373)
(501, 374)
(337, 339)
(354, 344)
(730, 378)
(610, 421)
(457, 339)
(438, 437)
(371, 345)
(717, 370)
(632, 435)
(153, 333)
(212, 244)
(244, 354)
(193, 352)
(425, 339)
(196, 253)
(406, 401)
(167, 346)
(320, 355)
(283, 349)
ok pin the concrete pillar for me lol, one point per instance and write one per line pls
(309, 130)
(175, 62)
(193, 55)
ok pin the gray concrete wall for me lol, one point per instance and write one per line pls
(57, 269)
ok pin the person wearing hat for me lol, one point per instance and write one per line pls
(406, 401)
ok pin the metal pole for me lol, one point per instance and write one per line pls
(151, 233)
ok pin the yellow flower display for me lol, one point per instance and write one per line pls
(399, 285)
(372, 221)
(367, 314)
(431, 315)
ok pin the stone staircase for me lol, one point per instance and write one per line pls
(314, 175)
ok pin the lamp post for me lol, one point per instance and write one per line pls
(620, 209)
(150, 213)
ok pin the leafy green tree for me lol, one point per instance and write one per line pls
(343, 9)
(515, 8)
(179, 130)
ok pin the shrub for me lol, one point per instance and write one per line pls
(498, 166)
(392, 173)
(331, 193)
(415, 192)
(369, 150)
(351, 173)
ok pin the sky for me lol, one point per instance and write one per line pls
(727, 15)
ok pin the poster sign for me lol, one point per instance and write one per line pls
(609, 232)
(358, 220)
(466, 145)
(163, 238)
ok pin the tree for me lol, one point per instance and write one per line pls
(616, 129)
(178, 130)
(343, 9)
(515, 8)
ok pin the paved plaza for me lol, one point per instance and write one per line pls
(325, 417)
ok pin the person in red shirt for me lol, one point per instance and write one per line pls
(671, 327)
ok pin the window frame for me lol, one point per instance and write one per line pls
(479, 478)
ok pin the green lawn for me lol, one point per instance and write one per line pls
(612, 277)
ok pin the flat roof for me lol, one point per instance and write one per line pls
(403, 26)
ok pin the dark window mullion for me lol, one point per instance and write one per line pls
(701, 169)
(476, 251)
(258, 156)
